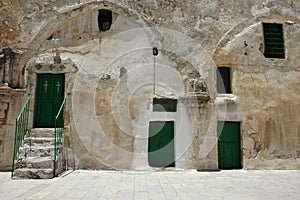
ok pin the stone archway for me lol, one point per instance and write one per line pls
(53, 22)
(240, 27)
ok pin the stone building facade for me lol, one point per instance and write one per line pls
(130, 67)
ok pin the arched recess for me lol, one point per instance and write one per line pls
(272, 17)
(33, 46)
(133, 62)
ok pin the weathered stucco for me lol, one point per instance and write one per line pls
(110, 75)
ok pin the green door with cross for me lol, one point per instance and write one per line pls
(229, 145)
(48, 99)
(161, 144)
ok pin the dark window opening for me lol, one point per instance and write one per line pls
(50, 37)
(104, 19)
(223, 80)
(274, 40)
(164, 105)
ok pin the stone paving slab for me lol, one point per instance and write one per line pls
(80, 184)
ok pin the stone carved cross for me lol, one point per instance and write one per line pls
(58, 86)
(46, 86)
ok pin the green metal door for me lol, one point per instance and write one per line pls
(161, 144)
(229, 145)
(49, 96)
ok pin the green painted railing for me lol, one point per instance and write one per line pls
(21, 131)
(59, 132)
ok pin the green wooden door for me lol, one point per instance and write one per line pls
(49, 96)
(161, 144)
(229, 145)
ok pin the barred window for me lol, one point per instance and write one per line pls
(274, 40)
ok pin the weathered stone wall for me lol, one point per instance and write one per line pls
(267, 92)
(229, 33)
(10, 106)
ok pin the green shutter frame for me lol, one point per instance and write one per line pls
(161, 144)
(274, 40)
(164, 105)
(48, 98)
(229, 145)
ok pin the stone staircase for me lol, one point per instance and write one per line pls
(35, 159)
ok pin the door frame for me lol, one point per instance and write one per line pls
(34, 125)
(173, 139)
(241, 143)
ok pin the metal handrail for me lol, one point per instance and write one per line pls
(21, 130)
(59, 132)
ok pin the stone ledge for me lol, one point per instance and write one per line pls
(7, 89)
(226, 98)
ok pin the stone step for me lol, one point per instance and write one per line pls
(41, 132)
(37, 168)
(30, 173)
(36, 151)
(36, 156)
(40, 141)
(33, 162)
(38, 144)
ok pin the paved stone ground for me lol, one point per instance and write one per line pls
(233, 184)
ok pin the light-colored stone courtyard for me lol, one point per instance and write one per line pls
(233, 184)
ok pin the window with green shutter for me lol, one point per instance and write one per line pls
(104, 19)
(164, 105)
(223, 80)
(274, 40)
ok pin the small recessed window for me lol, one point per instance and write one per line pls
(274, 40)
(223, 80)
(164, 105)
(104, 19)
